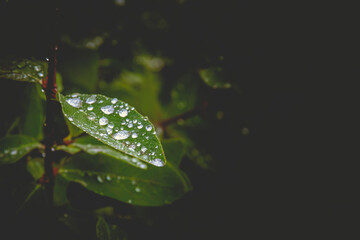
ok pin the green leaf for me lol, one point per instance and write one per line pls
(35, 167)
(93, 146)
(28, 70)
(14, 147)
(33, 114)
(174, 150)
(37, 188)
(69, 149)
(116, 179)
(102, 230)
(116, 124)
(214, 77)
(60, 189)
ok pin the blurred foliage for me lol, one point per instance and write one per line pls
(158, 56)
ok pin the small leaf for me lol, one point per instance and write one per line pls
(112, 178)
(33, 113)
(214, 77)
(93, 146)
(69, 149)
(116, 124)
(35, 190)
(102, 230)
(14, 147)
(35, 167)
(28, 70)
(60, 189)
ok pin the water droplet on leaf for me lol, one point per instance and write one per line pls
(75, 102)
(91, 99)
(103, 121)
(121, 135)
(123, 113)
(107, 109)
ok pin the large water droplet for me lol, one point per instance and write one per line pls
(91, 99)
(148, 128)
(114, 100)
(103, 121)
(75, 102)
(121, 135)
(107, 109)
(123, 113)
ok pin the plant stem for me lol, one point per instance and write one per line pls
(50, 89)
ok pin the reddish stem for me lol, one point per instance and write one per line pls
(50, 89)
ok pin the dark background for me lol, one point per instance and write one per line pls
(292, 64)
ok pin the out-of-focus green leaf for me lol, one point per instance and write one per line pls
(174, 150)
(60, 188)
(68, 148)
(183, 95)
(102, 230)
(80, 69)
(116, 124)
(116, 179)
(73, 130)
(14, 147)
(37, 188)
(59, 82)
(35, 167)
(214, 77)
(33, 114)
(28, 70)
(140, 88)
(93, 146)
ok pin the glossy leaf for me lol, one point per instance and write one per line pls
(102, 230)
(93, 146)
(116, 124)
(14, 147)
(214, 77)
(116, 179)
(28, 70)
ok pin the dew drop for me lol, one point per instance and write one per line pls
(37, 68)
(157, 162)
(134, 135)
(41, 74)
(140, 126)
(138, 144)
(109, 130)
(99, 179)
(134, 121)
(107, 109)
(114, 100)
(108, 178)
(132, 147)
(123, 113)
(143, 149)
(111, 125)
(75, 102)
(70, 119)
(91, 99)
(92, 116)
(129, 201)
(103, 121)
(90, 108)
(137, 189)
(121, 135)
(148, 128)
(13, 152)
(130, 125)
